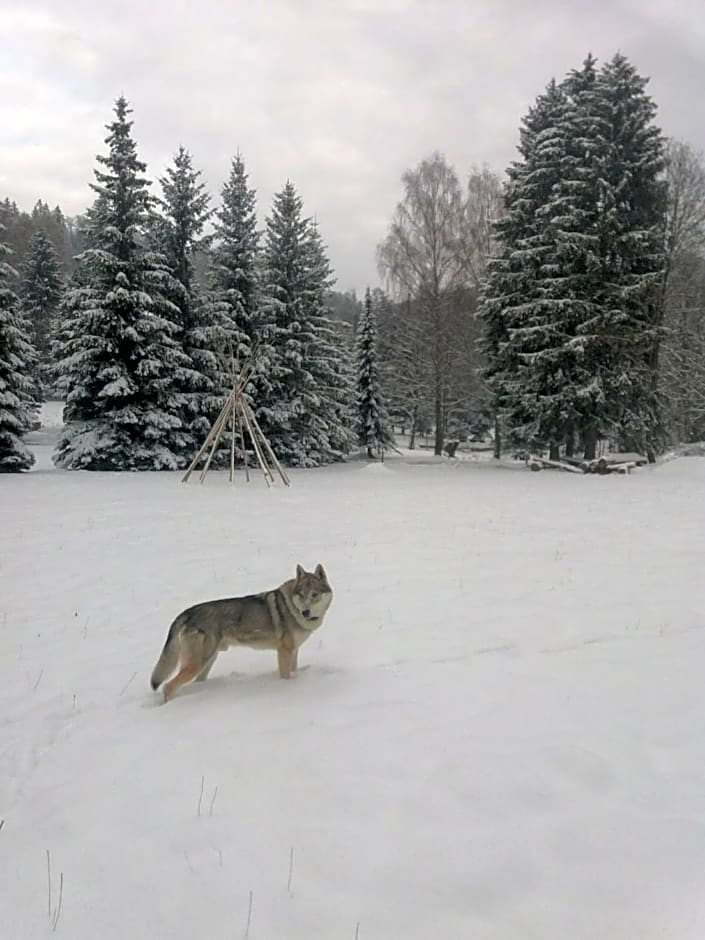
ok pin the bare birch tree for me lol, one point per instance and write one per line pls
(422, 258)
(483, 208)
(682, 369)
(403, 364)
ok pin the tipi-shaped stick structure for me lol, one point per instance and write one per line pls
(237, 411)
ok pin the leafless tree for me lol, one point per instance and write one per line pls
(403, 363)
(682, 366)
(483, 207)
(422, 258)
(685, 176)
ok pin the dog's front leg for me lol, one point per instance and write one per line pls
(284, 658)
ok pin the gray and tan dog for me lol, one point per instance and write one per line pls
(279, 620)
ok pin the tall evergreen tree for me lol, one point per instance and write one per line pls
(372, 422)
(287, 332)
(17, 361)
(234, 301)
(42, 288)
(632, 226)
(301, 409)
(514, 323)
(234, 264)
(184, 213)
(178, 233)
(570, 305)
(329, 361)
(560, 382)
(119, 350)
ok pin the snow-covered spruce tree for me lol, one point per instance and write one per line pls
(631, 227)
(372, 422)
(234, 265)
(41, 290)
(602, 225)
(119, 353)
(561, 369)
(570, 305)
(515, 328)
(234, 300)
(329, 360)
(177, 231)
(295, 411)
(17, 364)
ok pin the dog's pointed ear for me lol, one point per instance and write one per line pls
(299, 572)
(321, 573)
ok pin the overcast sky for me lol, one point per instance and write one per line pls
(340, 96)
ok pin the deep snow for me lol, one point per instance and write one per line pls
(500, 733)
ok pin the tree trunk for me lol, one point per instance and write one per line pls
(590, 443)
(554, 451)
(438, 440)
(570, 441)
(497, 437)
(414, 422)
(370, 455)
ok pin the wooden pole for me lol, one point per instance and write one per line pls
(260, 456)
(216, 439)
(244, 446)
(232, 446)
(206, 443)
(237, 406)
(272, 455)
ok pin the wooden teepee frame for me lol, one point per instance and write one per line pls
(237, 410)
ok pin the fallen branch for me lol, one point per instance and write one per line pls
(538, 463)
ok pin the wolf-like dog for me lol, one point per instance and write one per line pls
(279, 620)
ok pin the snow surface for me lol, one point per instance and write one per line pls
(500, 732)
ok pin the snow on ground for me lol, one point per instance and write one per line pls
(500, 733)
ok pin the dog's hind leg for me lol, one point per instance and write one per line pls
(192, 662)
(203, 674)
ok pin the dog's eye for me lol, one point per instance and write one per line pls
(314, 595)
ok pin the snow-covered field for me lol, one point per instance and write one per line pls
(500, 733)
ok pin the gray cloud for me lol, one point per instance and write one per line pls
(338, 95)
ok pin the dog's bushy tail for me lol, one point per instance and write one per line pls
(169, 659)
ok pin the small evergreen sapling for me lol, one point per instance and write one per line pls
(372, 422)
